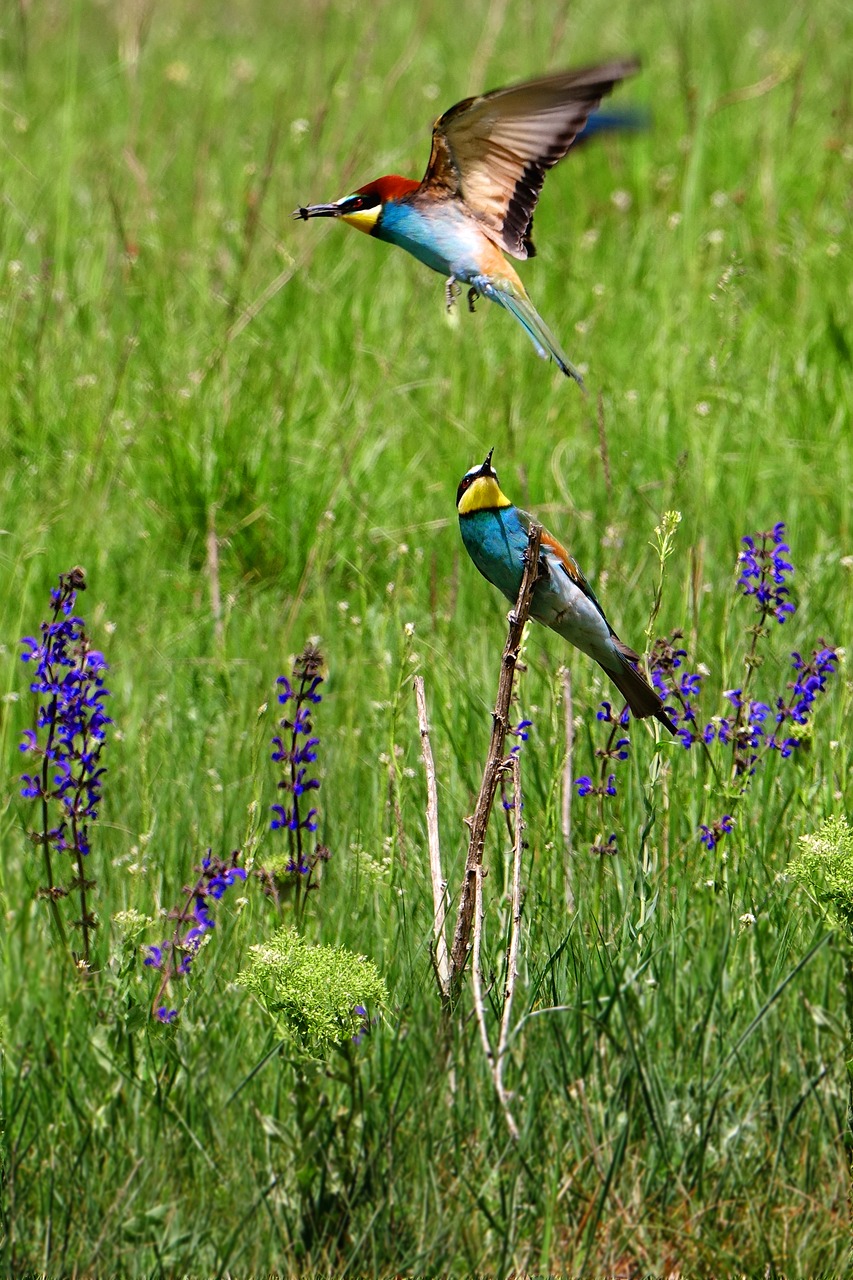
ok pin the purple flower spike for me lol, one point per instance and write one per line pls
(809, 682)
(193, 921)
(67, 676)
(711, 836)
(295, 749)
(764, 563)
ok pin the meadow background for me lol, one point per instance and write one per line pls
(183, 366)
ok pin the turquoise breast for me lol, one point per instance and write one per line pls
(496, 541)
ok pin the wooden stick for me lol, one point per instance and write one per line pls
(495, 762)
(568, 770)
(439, 884)
(476, 973)
(512, 955)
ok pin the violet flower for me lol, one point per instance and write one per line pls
(67, 743)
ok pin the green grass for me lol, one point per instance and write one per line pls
(679, 1075)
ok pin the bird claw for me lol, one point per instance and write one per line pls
(451, 289)
(473, 295)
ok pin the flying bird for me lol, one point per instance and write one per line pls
(476, 200)
(495, 534)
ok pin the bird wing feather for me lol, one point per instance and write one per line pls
(493, 151)
(558, 557)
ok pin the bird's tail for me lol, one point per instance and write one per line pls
(642, 699)
(518, 304)
(629, 120)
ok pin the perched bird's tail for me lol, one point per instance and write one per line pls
(637, 692)
(516, 301)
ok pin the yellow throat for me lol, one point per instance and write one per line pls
(365, 219)
(484, 494)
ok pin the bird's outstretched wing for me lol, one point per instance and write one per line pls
(494, 151)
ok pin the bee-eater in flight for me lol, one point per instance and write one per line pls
(476, 200)
(495, 534)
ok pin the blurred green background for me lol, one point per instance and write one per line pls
(249, 431)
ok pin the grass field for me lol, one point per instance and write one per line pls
(249, 431)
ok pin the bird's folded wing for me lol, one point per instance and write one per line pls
(564, 563)
(559, 562)
(494, 151)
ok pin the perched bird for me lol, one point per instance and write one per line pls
(475, 203)
(495, 535)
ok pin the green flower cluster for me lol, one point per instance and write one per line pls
(824, 866)
(317, 996)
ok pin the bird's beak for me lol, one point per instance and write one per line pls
(317, 211)
(487, 465)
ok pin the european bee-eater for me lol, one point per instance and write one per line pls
(476, 200)
(495, 535)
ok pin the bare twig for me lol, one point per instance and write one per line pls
(439, 884)
(512, 955)
(568, 769)
(495, 761)
(757, 90)
(476, 972)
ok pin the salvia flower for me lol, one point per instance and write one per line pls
(605, 712)
(586, 786)
(295, 748)
(677, 691)
(764, 563)
(616, 749)
(70, 733)
(521, 731)
(711, 836)
(751, 723)
(810, 681)
(193, 922)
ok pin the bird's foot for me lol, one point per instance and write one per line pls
(451, 290)
(473, 295)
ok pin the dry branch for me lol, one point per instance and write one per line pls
(568, 770)
(439, 884)
(512, 955)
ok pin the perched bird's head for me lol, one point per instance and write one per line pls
(479, 489)
(364, 207)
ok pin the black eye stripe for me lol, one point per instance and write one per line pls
(355, 204)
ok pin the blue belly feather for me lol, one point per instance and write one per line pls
(447, 243)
